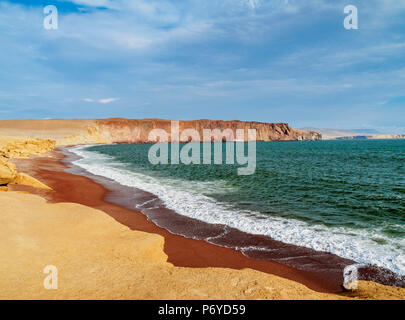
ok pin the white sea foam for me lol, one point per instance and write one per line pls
(184, 198)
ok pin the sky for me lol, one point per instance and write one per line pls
(254, 60)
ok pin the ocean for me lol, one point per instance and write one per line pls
(341, 197)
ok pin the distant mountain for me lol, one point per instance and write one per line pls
(328, 134)
(373, 137)
(353, 134)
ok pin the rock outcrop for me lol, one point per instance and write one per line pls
(12, 147)
(8, 171)
(10, 175)
(18, 147)
(26, 180)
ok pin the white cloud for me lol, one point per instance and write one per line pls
(201, 53)
(103, 101)
(107, 100)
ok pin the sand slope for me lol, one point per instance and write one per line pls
(98, 258)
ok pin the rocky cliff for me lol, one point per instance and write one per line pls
(137, 131)
(19, 147)
(119, 130)
(23, 138)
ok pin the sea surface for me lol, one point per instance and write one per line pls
(342, 197)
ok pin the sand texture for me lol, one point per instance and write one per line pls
(97, 258)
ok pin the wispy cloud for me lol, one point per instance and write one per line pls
(103, 101)
(269, 60)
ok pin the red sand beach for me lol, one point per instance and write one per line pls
(107, 251)
(182, 252)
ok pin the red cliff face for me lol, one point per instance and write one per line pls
(119, 130)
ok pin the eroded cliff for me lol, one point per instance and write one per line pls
(137, 131)
(119, 130)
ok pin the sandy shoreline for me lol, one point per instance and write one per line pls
(181, 251)
(324, 273)
(321, 271)
(196, 267)
(98, 258)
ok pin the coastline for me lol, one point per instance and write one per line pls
(180, 251)
(319, 271)
(98, 258)
(323, 269)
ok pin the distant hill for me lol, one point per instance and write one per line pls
(353, 134)
(367, 131)
(328, 134)
(373, 137)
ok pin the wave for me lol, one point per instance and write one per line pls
(185, 198)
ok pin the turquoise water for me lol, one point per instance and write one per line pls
(344, 197)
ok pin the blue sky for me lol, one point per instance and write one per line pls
(264, 60)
